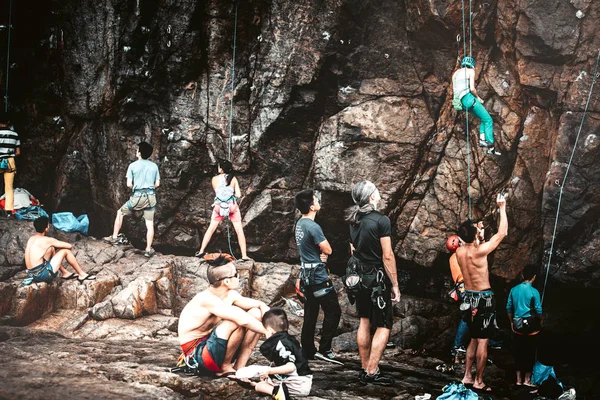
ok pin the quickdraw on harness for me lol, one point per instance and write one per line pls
(470, 308)
(361, 277)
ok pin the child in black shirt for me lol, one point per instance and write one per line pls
(290, 374)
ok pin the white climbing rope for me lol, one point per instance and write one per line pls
(562, 185)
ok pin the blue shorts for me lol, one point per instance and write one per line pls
(47, 273)
(210, 353)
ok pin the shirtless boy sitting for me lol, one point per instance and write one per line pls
(44, 256)
(219, 321)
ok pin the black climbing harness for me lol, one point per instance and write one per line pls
(361, 277)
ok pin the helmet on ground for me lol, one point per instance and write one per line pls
(452, 243)
(468, 62)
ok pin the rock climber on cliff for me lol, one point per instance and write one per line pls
(219, 323)
(227, 192)
(465, 95)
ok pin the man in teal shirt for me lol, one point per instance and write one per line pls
(524, 310)
(143, 178)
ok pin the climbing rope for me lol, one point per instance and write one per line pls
(562, 185)
(8, 55)
(232, 82)
(231, 112)
(464, 36)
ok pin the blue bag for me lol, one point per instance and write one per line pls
(66, 221)
(542, 372)
(30, 213)
(457, 391)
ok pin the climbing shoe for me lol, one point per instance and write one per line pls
(483, 143)
(379, 379)
(149, 253)
(281, 392)
(120, 239)
(456, 350)
(328, 356)
(492, 150)
(361, 376)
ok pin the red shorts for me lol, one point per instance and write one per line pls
(234, 213)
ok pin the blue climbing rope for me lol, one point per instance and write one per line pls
(8, 56)
(562, 185)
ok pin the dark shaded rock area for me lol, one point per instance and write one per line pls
(325, 93)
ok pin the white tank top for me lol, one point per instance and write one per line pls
(460, 83)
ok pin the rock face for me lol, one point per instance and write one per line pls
(324, 93)
(116, 336)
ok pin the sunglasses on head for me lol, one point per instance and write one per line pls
(236, 275)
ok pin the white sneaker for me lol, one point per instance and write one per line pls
(329, 356)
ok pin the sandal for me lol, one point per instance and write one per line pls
(72, 276)
(484, 389)
(87, 278)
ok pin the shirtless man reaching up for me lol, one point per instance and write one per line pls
(219, 321)
(44, 256)
(481, 316)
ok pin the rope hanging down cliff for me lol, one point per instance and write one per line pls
(9, 28)
(564, 181)
(231, 112)
(467, 111)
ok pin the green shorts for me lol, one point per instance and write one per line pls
(141, 201)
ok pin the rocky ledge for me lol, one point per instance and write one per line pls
(115, 337)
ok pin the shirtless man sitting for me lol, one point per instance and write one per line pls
(44, 256)
(219, 321)
(481, 316)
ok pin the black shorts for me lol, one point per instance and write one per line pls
(379, 318)
(481, 316)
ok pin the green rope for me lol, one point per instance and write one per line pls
(8, 55)
(566, 174)
(467, 110)
(231, 113)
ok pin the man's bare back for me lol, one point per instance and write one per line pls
(39, 248)
(474, 267)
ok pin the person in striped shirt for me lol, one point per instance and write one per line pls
(9, 149)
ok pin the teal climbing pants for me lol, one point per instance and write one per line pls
(486, 127)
